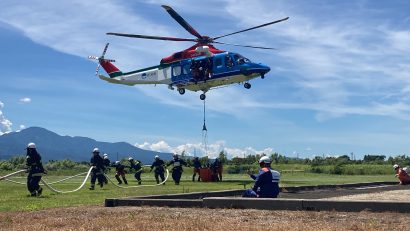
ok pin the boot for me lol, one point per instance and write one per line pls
(39, 191)
(91, 187)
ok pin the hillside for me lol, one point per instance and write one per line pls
(52, 146)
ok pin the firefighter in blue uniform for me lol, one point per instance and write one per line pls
(136, 165)
(266, 181)
(159, 166)
(177, 168)
(97, 163)
(197, 167)
(35, 170)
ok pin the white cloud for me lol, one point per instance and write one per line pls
(25, 100)
(199, 149)
(5, 124)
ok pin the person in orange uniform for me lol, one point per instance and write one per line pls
(403, 176)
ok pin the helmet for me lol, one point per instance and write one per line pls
(175, 155)
(264, 159)
(130, 158)
(105, 157)
(395, 166)
(31, 145)
(404, 169)
(105, 154)
(156, 157)
(117, 162)
(96, 150)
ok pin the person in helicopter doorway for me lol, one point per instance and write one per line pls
(266, 181)
(159, 166)
(197, 167)
(208, 64)
(177, 168)
(97, 164)
(107, 164)
(120, 171)
(35, 170)
(136, 165)
(195, 70)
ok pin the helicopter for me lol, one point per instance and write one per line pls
(201, 67)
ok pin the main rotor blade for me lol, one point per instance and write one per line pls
(151, 37)
(266, 24)
(265, 48)
(181, 21)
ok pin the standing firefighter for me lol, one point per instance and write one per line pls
(97, 163)
(120, 171)
(159, 166)
(266, 181)
(197, 167)
(136, 165)
(107, 164)
(177, 168)
(216, 168)
(35, 170)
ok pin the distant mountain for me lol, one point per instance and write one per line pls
(52, 146)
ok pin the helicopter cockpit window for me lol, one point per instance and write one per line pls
(176, 70)
(239, 59)
(228, 61)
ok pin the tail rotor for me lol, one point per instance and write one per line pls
(101, 59)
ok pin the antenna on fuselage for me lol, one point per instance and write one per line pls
(205, 134)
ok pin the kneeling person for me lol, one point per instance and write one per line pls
(266, 181)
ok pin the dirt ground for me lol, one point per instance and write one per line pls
(163, 218)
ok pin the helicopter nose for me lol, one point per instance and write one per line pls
(265, 69)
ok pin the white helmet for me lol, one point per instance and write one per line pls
(130, 158)
(395, 166)
(105, 154)
(264, 159)
(117, 162)
(96, 150)
(31, 145)
(156, 157)
(404, 169)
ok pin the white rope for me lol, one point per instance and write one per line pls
(137, 186)
(75, 190)
(12, 174)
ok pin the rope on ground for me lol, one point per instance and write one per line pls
(12, 174)
(137, 186)
(75, 190)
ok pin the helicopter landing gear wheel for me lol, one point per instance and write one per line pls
(181, 91)
(262, 76)
(247, 85)
(202, 96)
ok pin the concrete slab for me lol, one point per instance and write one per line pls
(356, 206)
(253, 203)
(183, 203)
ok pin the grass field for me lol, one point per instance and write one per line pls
(15, 197)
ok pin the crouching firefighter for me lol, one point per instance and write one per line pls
(266, 181)
(97, 164)
(35, 170)
(176, 168)
(136, 165)
(120, 171)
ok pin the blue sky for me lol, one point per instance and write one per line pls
(339, 81)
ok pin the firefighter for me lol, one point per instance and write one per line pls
(216, 168)
(197, 167)
(35, 170)
(402, 174)
(177, 168)
(120, 171)
(107, 164)
(97, 163)
(159, 166)
(266, 181)
(137, 166)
